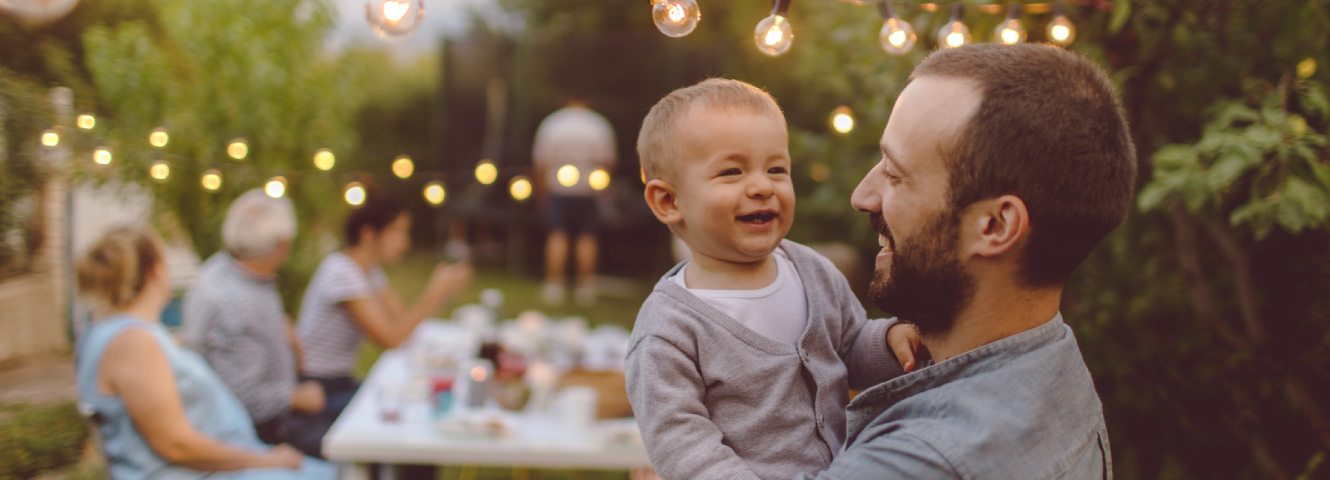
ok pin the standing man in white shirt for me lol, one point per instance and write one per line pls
(578, 137)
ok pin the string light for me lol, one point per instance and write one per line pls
(87, 121)
(394, 18)
(520, 188)
(774, 34)
(1010, 32)
(1060, 30)
(403, 166)
(599, 179)
(954, 33)
(158, 138)
(842, 120)
(324, 159)
(896, 36)
(102, 156)
(355, 194)
(159, 171)
(568, 175)
(486, 172)
(675, 18)
(238, 149)
(212, 180)
(275, 187)
(51, 137)
(434, 193)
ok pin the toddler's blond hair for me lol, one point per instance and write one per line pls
(656, 145)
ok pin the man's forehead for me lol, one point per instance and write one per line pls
(931, 107)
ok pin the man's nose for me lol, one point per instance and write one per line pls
(866, 197)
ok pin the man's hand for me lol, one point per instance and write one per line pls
(907, 344)
(308, 397)
(284, 456)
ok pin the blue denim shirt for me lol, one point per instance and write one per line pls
(1021, 407)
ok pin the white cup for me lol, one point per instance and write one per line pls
(576, 407)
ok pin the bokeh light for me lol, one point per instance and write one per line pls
(435, 193)
(520, 188)
(403, 166)
(275, 187)
(486, 172)
(324, 159)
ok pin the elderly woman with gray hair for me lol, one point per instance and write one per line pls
(233, 316)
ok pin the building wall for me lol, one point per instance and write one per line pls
(32, 306)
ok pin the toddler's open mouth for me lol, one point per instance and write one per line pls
(758, 218)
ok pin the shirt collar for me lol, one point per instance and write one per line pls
(246, 272)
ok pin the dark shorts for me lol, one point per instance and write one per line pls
(305, 432)
(574, 215)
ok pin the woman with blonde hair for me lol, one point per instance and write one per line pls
(161, 411)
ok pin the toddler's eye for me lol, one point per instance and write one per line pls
(729, 171)
(778, 170)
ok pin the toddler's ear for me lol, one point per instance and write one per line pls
(660, 197)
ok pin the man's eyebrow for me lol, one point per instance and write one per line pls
(890, 156)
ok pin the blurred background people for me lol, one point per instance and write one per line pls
(574, 136)
(161, 411)
(233, 316)
(349, 298)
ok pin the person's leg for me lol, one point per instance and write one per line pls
(587, 250)
(556, 260)
(306, 431)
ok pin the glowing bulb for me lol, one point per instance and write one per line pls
(212, 180)
(160, 170)
(394, 18)
(479, 374)
(434, 193)
(50, 138)
(102, 156)
(87, 121)
(486, 172)
(1010, 32)
(276, 187)
(599, 179)
(774, 35)
(237, 149)
(355, 194)
(896, 36)
(158, 138)
(403, 167)
(520, 188)
(1061, 31)
(954, 33)
(675, 18)
(842, 119)
(324, 159)
(567, 175)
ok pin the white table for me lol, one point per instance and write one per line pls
(360, 436)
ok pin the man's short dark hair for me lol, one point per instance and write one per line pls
(1049, 130)
(381, 207)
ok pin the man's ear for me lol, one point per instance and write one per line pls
(998, 225)
(664, 204)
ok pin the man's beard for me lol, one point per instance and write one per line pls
(927, 287)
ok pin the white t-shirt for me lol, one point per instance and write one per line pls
(573, 136)
(329, 336)
(778, 311)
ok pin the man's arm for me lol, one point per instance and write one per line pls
(238, 356)
(666, 389)
(888, 457)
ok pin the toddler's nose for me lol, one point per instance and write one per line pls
(760, 187)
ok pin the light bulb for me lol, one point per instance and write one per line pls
(954, 33)
(434, 193)
(212, 180)
(403, 167)
(486, 172)
(1060, 30)
(394, 18)
(1010, 32)
(237, 149)
(87, 121)
(355, 194)
(897, 36)
(324, 159)
(520, 188)
(102, 156)
(675, 18)
(158, 138)
(842, 119)
(50, 138)
(275, 187)
(160, 170)
(599, 179)
(774, 35)
(568, 175)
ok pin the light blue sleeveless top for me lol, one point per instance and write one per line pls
(209, 405)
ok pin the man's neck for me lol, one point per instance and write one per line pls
(710, 273)
(993, 314)
(259, 267)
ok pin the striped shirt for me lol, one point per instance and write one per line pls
(328, 333)
(234, 318)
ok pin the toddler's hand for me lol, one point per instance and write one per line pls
(907, 344)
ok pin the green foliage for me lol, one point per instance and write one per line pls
(1258, 165)
(34, 439)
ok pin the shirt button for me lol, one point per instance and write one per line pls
(819, 419)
